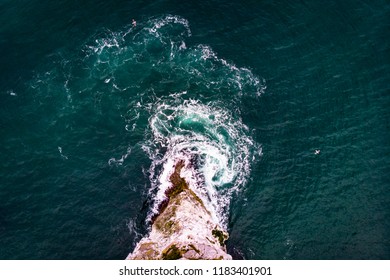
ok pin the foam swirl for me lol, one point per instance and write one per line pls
(215, 146)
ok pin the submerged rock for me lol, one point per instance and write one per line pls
(184, 228)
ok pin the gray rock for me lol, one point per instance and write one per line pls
(184, 229)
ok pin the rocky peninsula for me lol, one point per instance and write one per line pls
(183, 229)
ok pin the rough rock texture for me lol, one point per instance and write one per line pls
(184, 228)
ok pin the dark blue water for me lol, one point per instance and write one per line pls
(92, 109)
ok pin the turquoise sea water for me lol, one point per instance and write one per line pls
(93, 110)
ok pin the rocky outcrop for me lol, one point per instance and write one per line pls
(184, 228)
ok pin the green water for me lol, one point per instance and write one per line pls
(93, 109)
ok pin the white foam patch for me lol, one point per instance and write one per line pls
(158, 23)
(215, 147)
(12, 93)
(120, 161)
(239, 77)
(62, 155)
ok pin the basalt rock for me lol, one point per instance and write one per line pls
(184, 228)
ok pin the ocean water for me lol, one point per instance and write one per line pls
(94, 112)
